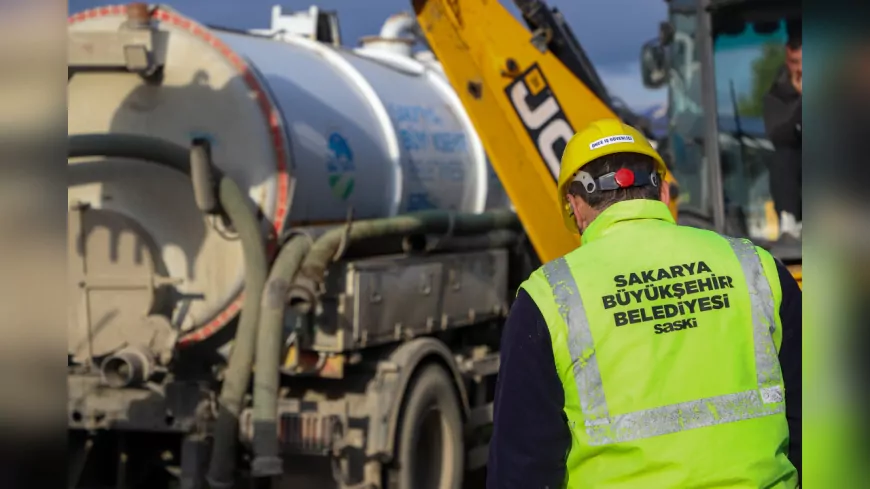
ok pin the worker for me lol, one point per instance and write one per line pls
(647, 357)
(782, 113)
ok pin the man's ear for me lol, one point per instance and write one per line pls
(573, 201)
(665, 192)
(577, 208)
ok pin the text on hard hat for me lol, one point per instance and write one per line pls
(619, 138)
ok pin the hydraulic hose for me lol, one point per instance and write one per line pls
(238, 373)
(267, 460)
(325, 249)
(135, 146)
(233, 202)
(500, 238)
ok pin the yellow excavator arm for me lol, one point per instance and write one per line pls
(523, 100)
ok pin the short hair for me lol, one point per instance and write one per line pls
(600, 200)
(794, 31)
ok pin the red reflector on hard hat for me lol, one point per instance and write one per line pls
(624, 178)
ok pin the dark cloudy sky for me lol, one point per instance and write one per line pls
(611, 31)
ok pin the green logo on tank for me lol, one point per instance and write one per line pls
(340, 167)
(341, 185)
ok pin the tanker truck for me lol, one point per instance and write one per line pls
(289, 261)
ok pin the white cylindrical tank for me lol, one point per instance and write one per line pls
(310, 131)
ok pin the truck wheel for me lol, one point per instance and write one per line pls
(430, 451)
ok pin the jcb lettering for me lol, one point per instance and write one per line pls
(552, 141)
(532, 118)
(541, 115)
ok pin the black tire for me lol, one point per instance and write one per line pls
(430, 452)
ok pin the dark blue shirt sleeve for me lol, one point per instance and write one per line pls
(530, 438)
(791, 317)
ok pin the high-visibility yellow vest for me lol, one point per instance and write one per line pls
(666, 338)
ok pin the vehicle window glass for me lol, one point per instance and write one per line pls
(746, 65)
(686, 116)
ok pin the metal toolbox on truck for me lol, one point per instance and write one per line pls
(386, 299)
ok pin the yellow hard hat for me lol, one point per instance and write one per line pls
(602, 137)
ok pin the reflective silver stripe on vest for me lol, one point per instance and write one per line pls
(604, 429)
(766, 361)
(580, 343)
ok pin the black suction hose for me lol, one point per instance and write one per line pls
(234, 203)
(134, 146)
(267, 461)
(449, 223)
(221, 473)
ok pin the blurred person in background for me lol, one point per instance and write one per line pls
(782, 121)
